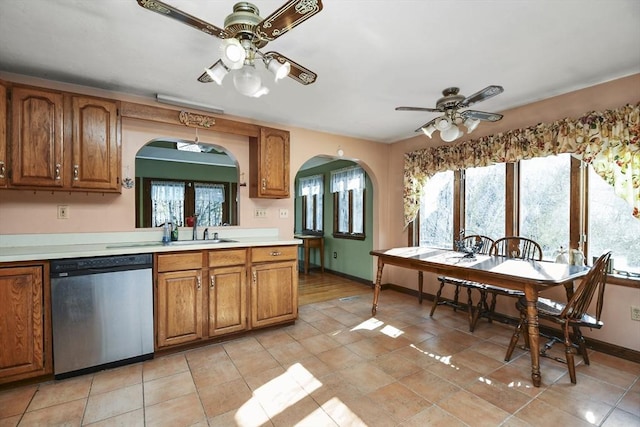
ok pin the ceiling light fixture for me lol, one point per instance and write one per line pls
(171, 100)
(239, 58)
(449, 126)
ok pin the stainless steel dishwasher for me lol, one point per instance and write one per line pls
(102, 312)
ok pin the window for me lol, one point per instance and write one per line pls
(436, 211)
(484, 198)
(611, 226)
(175, 200)
(348, 188)
(167, 202)
(209, 200)
(312, 191)
(544, 202)
(554, 203)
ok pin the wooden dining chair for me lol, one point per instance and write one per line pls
(570, 316)
(485, 244)
(510, 247)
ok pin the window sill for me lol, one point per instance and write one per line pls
(621, 280)
(349, 236)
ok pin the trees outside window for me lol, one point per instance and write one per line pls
(484, 195)
(544, 202)
(436, 211)
(312, 193)
(348, 188)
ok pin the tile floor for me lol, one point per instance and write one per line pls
(338, 366)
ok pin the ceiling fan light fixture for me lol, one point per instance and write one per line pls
(450, 134)
(247, 81)
(217, 72)
(233, 53)
(471, 124)
(443, 124)
(279, 70)
(429, 130)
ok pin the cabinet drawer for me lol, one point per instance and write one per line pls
(179, 261)
(225, 257)
(273, 253)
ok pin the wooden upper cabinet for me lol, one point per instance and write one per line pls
(36, 138)
(269, 164)
(95, 150)
(3, 135)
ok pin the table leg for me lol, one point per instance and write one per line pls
(376, 288)
(531, 295)
(420, 285)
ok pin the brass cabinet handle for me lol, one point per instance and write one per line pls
(213, 282)
(57, 170)
(276, 253)
(264, 183)
(198, 282)
(75, 172)
(2, 170)
(255, 278)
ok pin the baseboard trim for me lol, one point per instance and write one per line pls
(601, 346)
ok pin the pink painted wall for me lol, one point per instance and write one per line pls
(35, 212)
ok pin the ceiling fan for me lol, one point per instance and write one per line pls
(450, 104)
(244, 33)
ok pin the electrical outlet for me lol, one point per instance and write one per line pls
(260, 213)
(63, 212)
(335, 255)
(635, 313)
(284, 213)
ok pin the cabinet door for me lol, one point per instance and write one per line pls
(3, 135)
(227, 300)
(96, 146)
(36, 138)
(274, 293)
(269, 160)
(179, 307)
(22, 327)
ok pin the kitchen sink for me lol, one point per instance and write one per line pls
(200, 242)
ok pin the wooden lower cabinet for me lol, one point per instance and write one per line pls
(179, 294)
(227, 300)
(204, 294)
(274, 285)
(179, 313)
(25, 325)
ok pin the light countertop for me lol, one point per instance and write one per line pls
(32, 247)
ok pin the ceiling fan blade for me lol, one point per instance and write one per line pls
(204, 77)
(291, 14)
(430, 122)
(431, 110)
(486, 93)
(481, 115)
(298, 72)
(170, 11)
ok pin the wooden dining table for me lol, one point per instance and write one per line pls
(525, 275)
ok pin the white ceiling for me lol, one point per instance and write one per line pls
(370, 56)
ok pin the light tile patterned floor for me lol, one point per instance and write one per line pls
(339, 366)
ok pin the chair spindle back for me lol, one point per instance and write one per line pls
(517, 247)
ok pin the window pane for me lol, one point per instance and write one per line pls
(358, 211)
(209, 199)
(611, 226)
(167, 202)
(343, 212)
(436, 211)
(309, 213)
(484, 201)
(544, 202)
(319, 212)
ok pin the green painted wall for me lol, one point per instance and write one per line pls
(353, 256)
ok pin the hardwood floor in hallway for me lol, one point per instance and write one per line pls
(318, 287)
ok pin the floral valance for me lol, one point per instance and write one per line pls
(608, 140)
